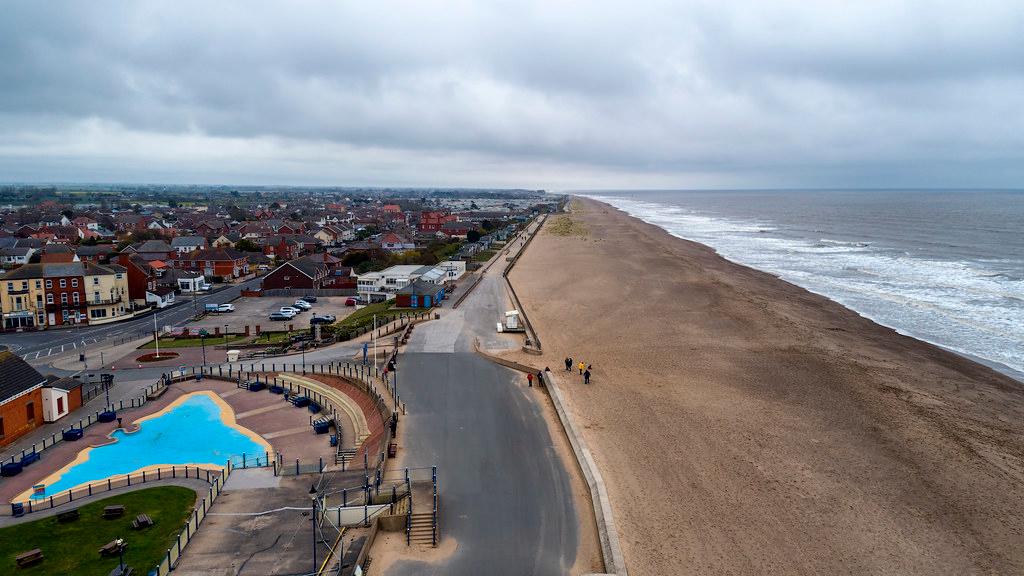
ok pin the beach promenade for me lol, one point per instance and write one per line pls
(745, 425)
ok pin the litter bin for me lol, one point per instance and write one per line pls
(17, 509)
(233, 355)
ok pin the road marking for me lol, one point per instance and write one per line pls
(37, 354)
(61, 347)
(25, 357)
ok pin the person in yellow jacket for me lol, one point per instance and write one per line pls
(581, 366)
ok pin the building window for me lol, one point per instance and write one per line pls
(10, 285)
(63, 283)
(24, 284)
(75, 297)
(39, 284)
(49, 283)
(30, 411)
(49, 298)
(119, 276)
(74, 282)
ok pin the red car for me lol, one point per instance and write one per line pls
(351, 302)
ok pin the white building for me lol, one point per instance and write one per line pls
(454, 269)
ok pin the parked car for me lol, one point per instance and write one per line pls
(226, 308)
(302, 305)
(281, 316)
(310, 299)
(289, 310)
(351, 301)
(326, 319)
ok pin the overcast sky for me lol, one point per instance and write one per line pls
(544, 94)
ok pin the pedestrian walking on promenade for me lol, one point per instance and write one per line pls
(529, 378)
(568, 364)
(540, 378)
(581, 367)
(586, 377)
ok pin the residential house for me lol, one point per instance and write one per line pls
(431, 222)
(59, 294)
(454, 229)
(332, 234)
(226, 263)
(313, 272)
(151, 250)
(97, 254)
(394, 243)
(140, 274)
(13, 257)
(186, 244)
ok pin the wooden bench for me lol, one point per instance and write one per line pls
(68, 516)
(29, 558)
(111, 548)
(113, 511)
(142, 521)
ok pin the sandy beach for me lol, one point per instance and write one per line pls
(746, 426)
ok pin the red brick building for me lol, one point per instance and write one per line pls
(431, 222)
(28, 399)
(227, 263)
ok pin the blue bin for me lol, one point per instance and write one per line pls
(321, 427)
(314, 407)
(17, 509)
(30, 458)
(334, 440)
(11, 469)
(276, 389)
(73, 434)
(107, 416)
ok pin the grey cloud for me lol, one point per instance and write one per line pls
(730, 93)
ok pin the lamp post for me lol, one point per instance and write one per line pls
(314, 495)
(202, 340)
(156, 334)
(120, 550)
(225, 342)
(303, 348)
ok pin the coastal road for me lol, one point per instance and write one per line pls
(506, 495)
(506, 498)
(35, 345)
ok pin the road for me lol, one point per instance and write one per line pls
(40, 344)
(506, 496)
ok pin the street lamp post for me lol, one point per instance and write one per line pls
(120, 549)
(225, 342)
(202, 340)
(156, 334)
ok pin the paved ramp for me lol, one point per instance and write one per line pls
(437, 336)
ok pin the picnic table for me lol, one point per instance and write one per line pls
(115, 511)
(111, 548)
(142, 521)
(67, 516)
(29, 558)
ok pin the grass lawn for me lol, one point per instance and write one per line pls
(191, 342)
(365, 314)
(72, 548)
(483, 255)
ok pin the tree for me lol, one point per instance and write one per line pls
(487, 225)
(247, 245)
(90, 241)
(275, 206)
(172, 203)
(68, 213)
(354, 259)
(473, 206)
(472, 235)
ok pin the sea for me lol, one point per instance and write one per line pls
(944, 266)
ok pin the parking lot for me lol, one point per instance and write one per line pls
(253, 311)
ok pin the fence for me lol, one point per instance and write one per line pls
(120, 481)
(298, 292)
(532, 340)
(192, 525)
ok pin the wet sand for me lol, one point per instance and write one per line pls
(744, 425)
